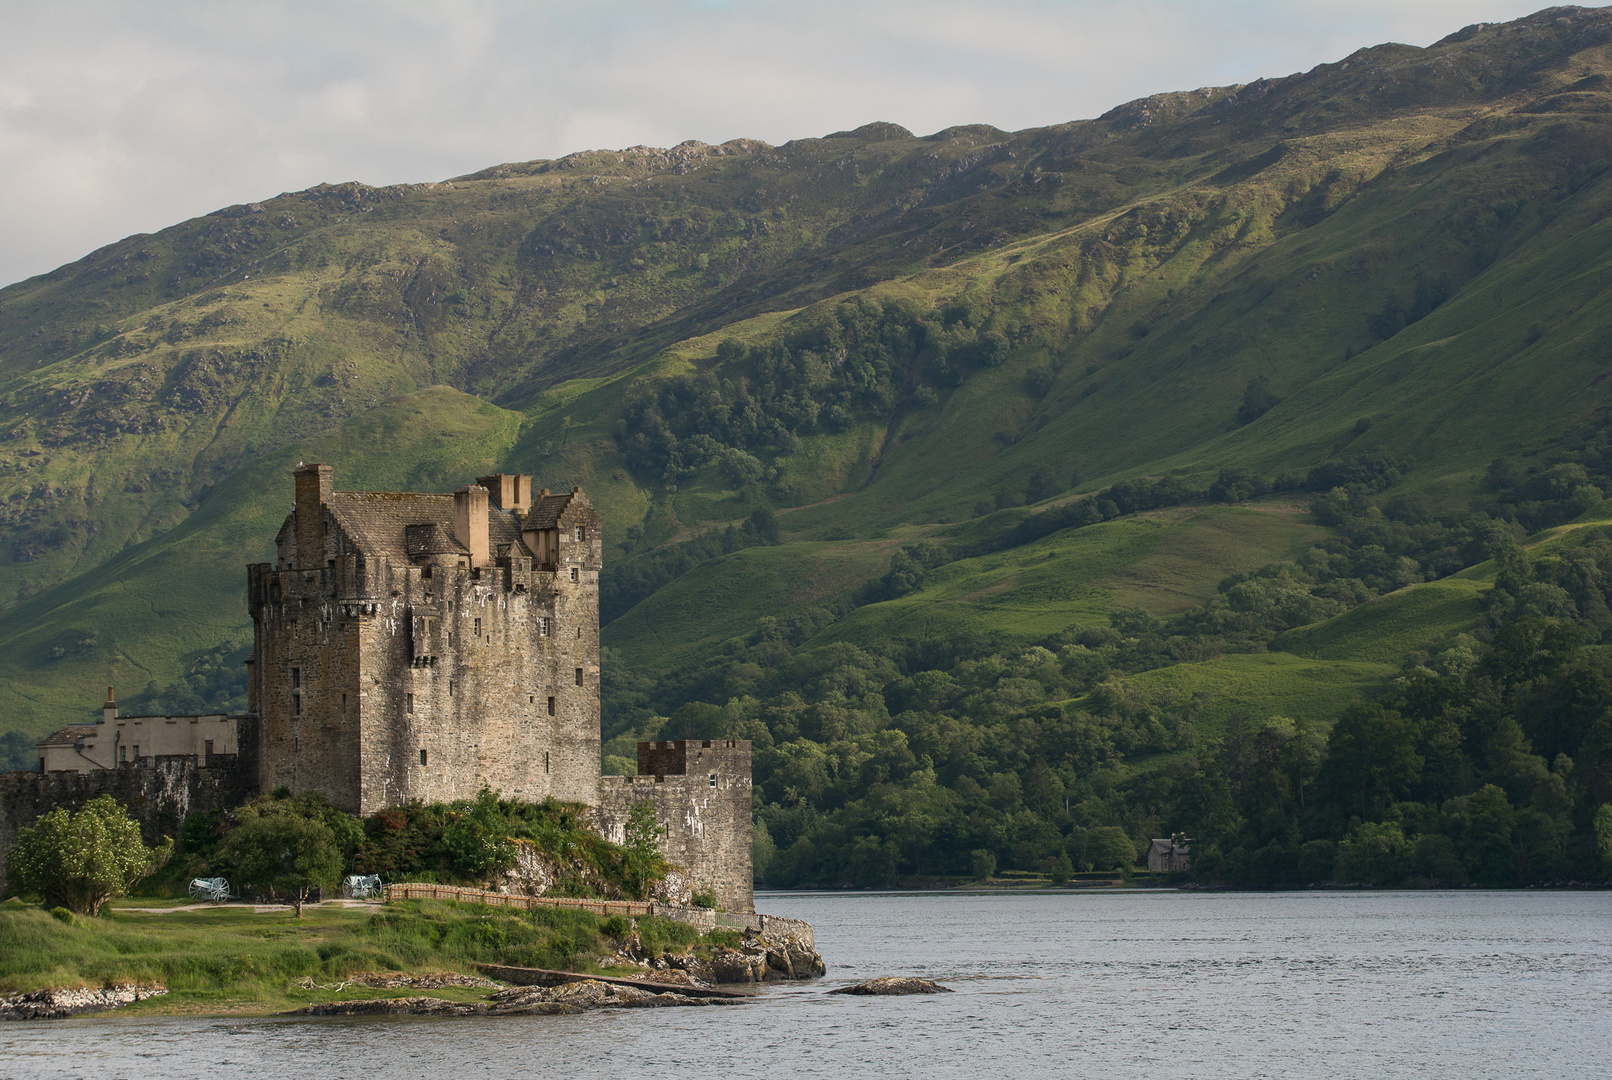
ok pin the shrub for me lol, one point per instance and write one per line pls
(80, 861)
(705, 898)
(280, 848)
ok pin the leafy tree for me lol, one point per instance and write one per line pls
(280, 847)
(1602, 826)
(476, 839)
(1257, 400)
(643, 857)
(1371, 757)
(80, 861)
(1108, 848)
(1373, 854)
(983, 864)
(18, 752)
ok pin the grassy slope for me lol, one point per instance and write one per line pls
(183, 591)
(165, 382)
(230, 959)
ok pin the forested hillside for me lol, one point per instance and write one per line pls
(1230, 464)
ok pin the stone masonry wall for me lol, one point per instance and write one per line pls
(158, 793)
(381, 681)
(703, 810)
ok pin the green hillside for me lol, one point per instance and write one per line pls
(1076, 452)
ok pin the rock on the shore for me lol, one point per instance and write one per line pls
(56, 1004)
(892, 985)
(756, 959)
(561, 1000)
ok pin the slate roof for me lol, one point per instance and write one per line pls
(430, 539)
(545, 512)
(378, 521)
(67, 736)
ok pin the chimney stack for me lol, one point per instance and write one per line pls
(314, 485)
(509, 491)
(470, 522)
(109, 711)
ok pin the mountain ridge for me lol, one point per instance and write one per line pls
(1156, 249)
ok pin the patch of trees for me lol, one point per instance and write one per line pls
(289, 845)
(856, 364)
(934, 755)
(634, 578)
(1395, 315)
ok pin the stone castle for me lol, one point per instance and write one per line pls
(418, 647)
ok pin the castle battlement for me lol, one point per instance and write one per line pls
(416, 647)
(423, 646)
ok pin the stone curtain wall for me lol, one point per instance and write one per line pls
(703, 811)
(383, 679)
(158, 793)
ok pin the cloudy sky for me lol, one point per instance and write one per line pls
(123, 116)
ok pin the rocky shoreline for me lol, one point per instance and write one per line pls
(58, 1004)
(759, 957)
(783, 950)
(564, 1000)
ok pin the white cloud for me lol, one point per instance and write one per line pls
(119, 117)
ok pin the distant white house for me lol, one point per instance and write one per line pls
(1169, 856)
(118, 740)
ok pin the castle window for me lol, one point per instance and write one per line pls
(296, 677)
(123, 753)
(450, 688)
(551, 706)
(409, 705)
(344, 704)
(296, 703)
(542, 626)
(531, 699)
(545, 761)
(478, 628)
(137, 751)
(581, 533)
(579, 676)
(713, 779)
(576, 575)
(422, 757)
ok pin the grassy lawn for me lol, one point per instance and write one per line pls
(1262, 685)
(231, 959)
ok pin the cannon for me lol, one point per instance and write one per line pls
(212, 889)
(361, 886)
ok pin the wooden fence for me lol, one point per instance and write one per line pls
(418, 891)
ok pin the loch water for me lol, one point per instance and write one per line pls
(1079, 984)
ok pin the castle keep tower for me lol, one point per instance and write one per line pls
(420, 646)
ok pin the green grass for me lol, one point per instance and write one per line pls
(1164, 562)
(1384, 630)
(1262, 685)
(152, 397)
(230, 959)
